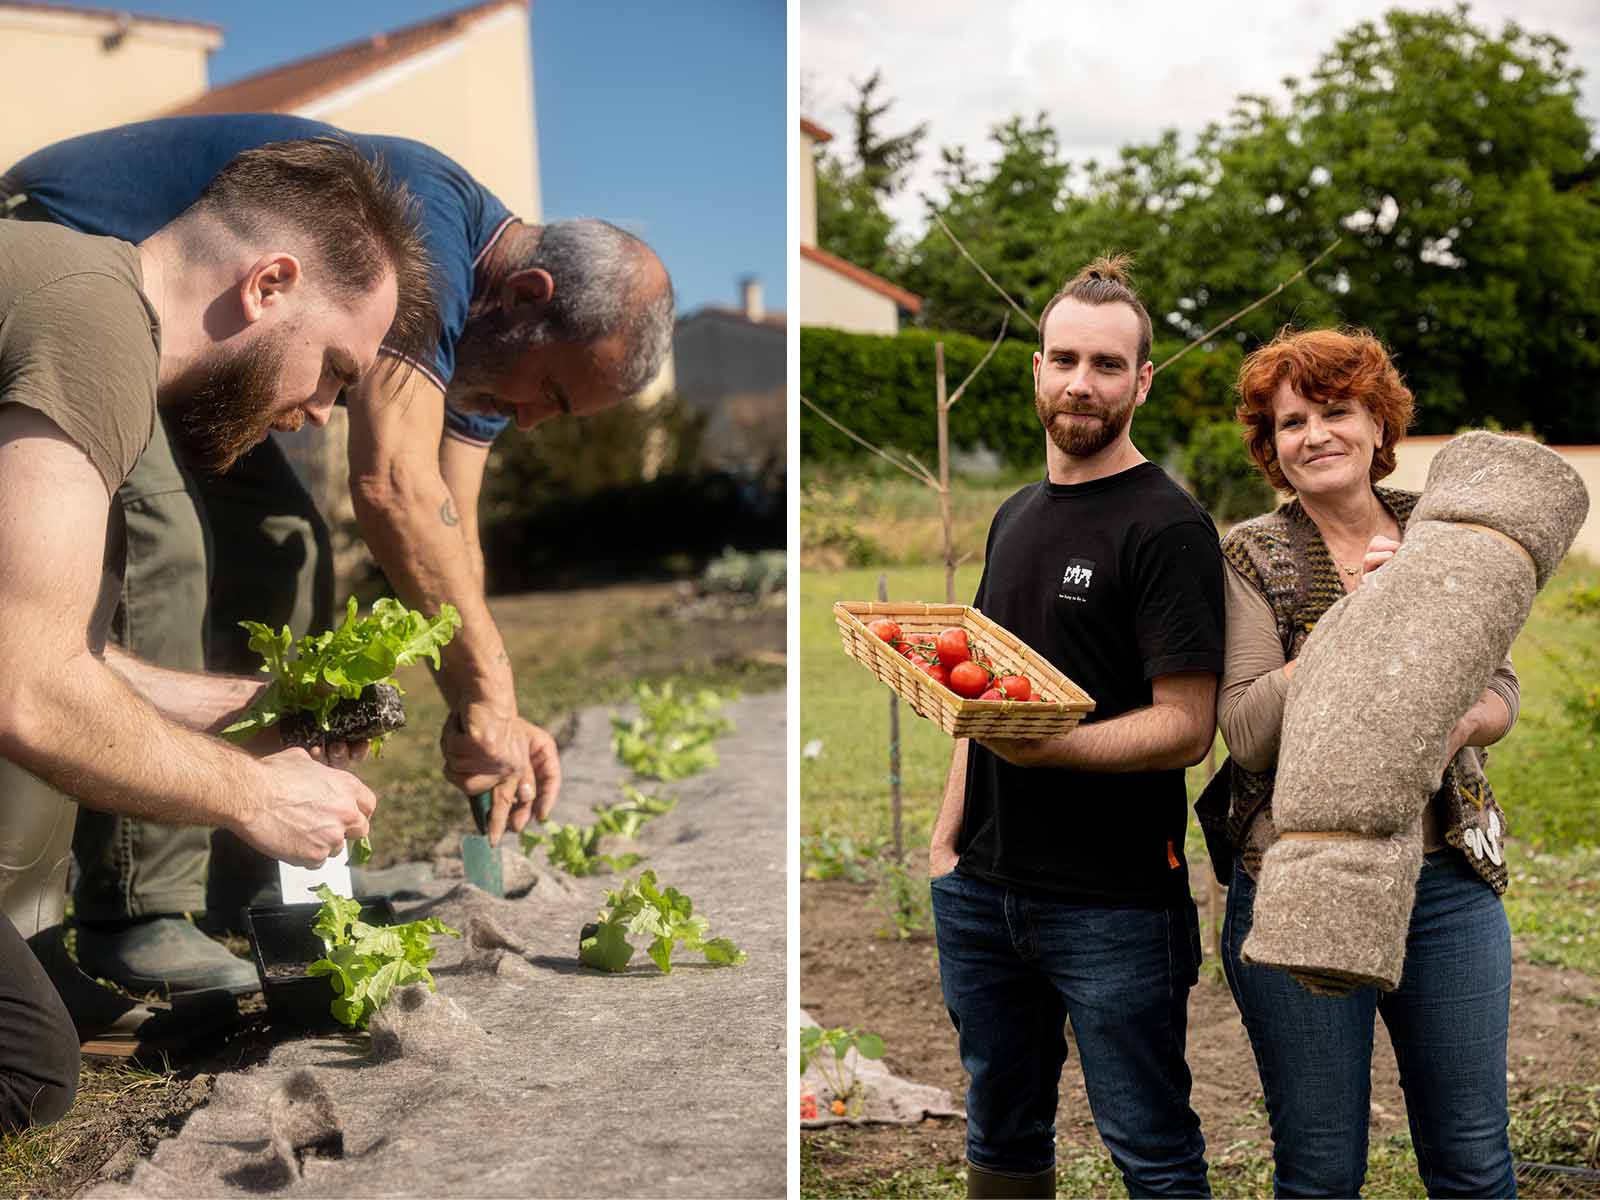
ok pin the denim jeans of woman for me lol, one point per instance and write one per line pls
(1448, 1021)
(1014, 967)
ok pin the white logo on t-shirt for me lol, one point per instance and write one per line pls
(1076, 579)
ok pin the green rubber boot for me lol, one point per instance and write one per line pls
(1008, 1185)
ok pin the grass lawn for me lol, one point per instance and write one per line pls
(889, 518)
(846, 786)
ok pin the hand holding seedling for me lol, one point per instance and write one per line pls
(306, 811)
(336, 754)
(340, 755)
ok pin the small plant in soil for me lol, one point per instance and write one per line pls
(664, 915)
(904, 899)
(366, 963)
(575, 849)
(627, 816)
(339, 686)
(838, 1071)
(672, 736)
(829, 855)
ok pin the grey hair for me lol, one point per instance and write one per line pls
(595, 267)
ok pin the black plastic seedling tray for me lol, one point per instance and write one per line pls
(283, 945)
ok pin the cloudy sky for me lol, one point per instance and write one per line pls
(1105, 72)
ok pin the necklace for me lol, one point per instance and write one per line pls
(1352, 572)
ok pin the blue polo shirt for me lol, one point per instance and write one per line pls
(130, 181)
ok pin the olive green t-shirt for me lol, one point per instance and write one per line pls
(79, 341)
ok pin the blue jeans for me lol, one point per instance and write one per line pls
(1014, 967)
(1448, 1021)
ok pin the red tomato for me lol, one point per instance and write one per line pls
(905, 648)
(993, 694)
(936, 673)
(968, 679)
(887, 630)
(1016, 687)
(953, 647)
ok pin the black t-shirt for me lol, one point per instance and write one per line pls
(1115, 581)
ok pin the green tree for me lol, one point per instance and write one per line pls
(1454, 163)
(850, 218)
(1012, 218)
(851, 221)
(883, 160)
(1462, 175)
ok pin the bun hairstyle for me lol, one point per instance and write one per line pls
(1115, 268)
(1106, 280)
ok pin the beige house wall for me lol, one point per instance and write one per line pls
(808, 189)
(1413, 456)
(62, 74)
(471, 98)
(830, 300)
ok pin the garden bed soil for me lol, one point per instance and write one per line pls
(851, 977)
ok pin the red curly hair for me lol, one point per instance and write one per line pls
(1321, 365)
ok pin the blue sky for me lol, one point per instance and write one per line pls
(668, 118)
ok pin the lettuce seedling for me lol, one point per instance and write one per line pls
(322, 670)
(628, 815)
(672, 736)
(665, 915)
(575, 849)
(366, 963)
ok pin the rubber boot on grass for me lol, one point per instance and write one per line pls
(1009, 1185)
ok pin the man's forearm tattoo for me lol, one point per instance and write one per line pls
(447, 512)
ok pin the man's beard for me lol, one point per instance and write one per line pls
(489, 349)
(228, 412)
(1080, 439)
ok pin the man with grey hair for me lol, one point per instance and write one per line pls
(571, 317)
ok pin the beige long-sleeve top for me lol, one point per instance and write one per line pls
(1254, 687)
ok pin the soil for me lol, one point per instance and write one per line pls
(287, 970)
(377, 711)
(851, 977)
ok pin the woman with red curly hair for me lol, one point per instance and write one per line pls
(1322, 412)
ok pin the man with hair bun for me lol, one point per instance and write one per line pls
(1059, 884)
(249, 312)
(571, 317)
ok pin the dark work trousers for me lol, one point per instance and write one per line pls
(270, 560)
(38, 1045)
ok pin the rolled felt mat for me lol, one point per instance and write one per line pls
(1380, 683)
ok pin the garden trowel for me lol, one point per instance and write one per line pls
(479, 860)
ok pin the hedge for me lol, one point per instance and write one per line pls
(882, 388)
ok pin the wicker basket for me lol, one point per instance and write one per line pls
(1064, 705)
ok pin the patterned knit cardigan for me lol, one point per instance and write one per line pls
(1283, 556)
